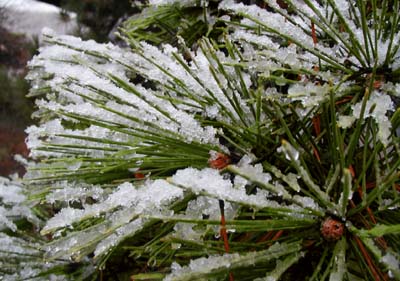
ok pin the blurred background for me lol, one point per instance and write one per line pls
(21, 22)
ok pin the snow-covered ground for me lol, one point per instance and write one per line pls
(30, 17)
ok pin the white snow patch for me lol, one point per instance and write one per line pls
(31, 16)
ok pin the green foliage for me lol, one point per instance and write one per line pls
(163, 24)
(269, 152)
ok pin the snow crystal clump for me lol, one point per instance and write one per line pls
(377, 107)
(345, 121)
(121, 211)
(389, 204)
(83, 73)
(209, 182)
(12, 204)
(307, 202)
(120, 234)
(10, 192)
(309, 94)
(148, 198)
(391, 261)
(255, 172)
(169, 2)
(65, 192)
(203, 265)
(202, 208)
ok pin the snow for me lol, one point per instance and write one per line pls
(32, 5)
(271, 21)
(93, 82)
(74, 192)
(10, 192)
(391, 261)
(345, 121)
(310, 95)
(377, 106)
(22, 260)
(255, 172)
(12, 204)
(169, 2)
(119, 235)
(31, 16)
(209, 182)
(199, 208)
(202, 266)
(120, 211)
(147, 198)
(96, 76)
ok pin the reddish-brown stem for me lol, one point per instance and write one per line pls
(370, 185)
(244, 237)
(344, 100)
(369, 211)
(362, 219)
(277, 235)
(371, 215)
(266, 237)
(317, 124)
(374, 270)
(352, 172)
(223, 233)
(316, 154)
(313, 33)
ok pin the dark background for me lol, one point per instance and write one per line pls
(99, 16)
